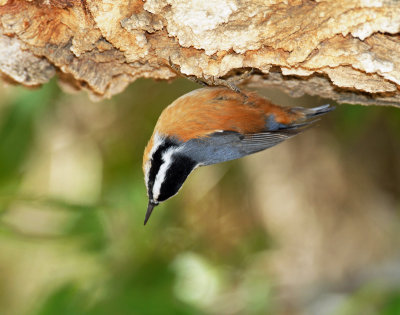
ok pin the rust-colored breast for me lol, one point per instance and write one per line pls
(204, 111)
(147, 151)
(207, 110)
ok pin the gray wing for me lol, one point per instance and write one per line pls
(260, 141)
(229, 145)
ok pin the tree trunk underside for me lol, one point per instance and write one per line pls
(345, 50)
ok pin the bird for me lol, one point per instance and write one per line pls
(212, 125)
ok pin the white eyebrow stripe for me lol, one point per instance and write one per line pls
(157, 142)
(160, 177)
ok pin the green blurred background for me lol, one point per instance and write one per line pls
(308, 227)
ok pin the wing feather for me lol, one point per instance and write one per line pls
(263, 140)
(228, 145)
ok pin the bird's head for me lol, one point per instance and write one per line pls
(166, 168)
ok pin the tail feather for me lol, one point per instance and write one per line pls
(316, 111)
(308, 118)
(301, 125)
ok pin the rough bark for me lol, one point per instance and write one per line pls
(347, 50)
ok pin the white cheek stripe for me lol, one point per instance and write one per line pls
(160, 177)
(146, 173)
(157, 142)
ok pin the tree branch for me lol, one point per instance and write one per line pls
(345, 50)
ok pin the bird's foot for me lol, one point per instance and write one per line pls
(215, 81)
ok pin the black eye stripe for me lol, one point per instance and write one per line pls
(156, 162)
(176, 175)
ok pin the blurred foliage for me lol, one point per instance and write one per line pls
(88, 253)
(17, 133)
(373, 300)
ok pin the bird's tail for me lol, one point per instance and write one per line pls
(306, 117)
(315, 111)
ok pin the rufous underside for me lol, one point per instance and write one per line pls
(207, 110)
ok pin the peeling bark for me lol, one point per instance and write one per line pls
(345, 50)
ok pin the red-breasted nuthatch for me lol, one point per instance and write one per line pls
(213, 125)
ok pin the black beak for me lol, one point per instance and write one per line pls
(150, 208)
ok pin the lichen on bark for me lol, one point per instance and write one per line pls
(345, 50)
